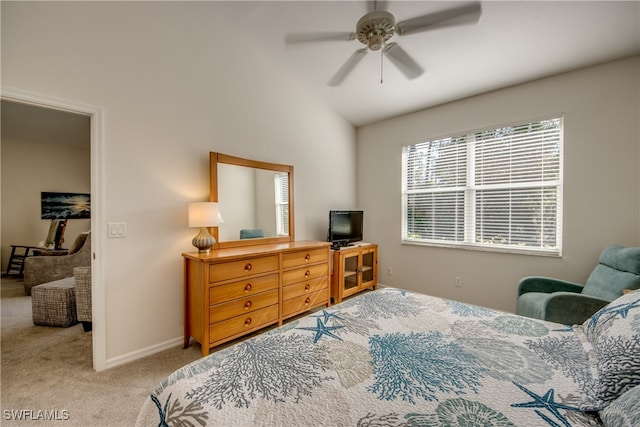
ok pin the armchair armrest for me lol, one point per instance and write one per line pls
(571, 308)
(82, 277)
(547, 285)
(50, 252)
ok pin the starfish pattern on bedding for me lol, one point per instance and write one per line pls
(162, 411)
(567, 328)
(546, 401)
(326, 316)
(322, 329)
(621, 309)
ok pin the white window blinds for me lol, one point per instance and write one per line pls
(498, 188)
(281, 184)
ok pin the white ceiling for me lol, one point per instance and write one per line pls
(513, 42)
(24, 122)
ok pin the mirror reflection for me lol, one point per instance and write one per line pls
(255, 199)
(253, 202)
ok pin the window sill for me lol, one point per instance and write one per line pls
(498, 249)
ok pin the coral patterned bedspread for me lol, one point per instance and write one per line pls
(387, 357)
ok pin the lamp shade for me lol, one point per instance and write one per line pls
(203, 214)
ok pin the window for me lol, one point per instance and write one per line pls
(281, 184)
(499, 189)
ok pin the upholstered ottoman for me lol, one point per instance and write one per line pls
(54, 303)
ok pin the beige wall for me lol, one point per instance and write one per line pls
(601, 106)
(175, 81)
(28, 168)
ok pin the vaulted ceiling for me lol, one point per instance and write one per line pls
(512, 42)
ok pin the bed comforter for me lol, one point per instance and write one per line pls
(395, 358)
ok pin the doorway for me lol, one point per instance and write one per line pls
(46, 111)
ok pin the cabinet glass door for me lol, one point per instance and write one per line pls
(368, 261)
(350, 274)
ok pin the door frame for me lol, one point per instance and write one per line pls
(96, 115)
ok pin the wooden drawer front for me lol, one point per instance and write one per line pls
(238, 307)
(242, 268)
(304, 288)
(305, 273)
(243, 288)
(240, 324)
(295, 259)
(304, 302)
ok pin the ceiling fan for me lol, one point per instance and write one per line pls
(377, 27)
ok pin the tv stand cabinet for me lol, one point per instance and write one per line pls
(355, 268)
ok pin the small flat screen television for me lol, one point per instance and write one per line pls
(345, 227)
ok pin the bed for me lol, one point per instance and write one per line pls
(396, 358)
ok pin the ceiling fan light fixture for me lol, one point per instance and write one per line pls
(375, 28)
(375, 41)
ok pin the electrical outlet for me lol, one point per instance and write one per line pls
(458, 282)
(389, 271)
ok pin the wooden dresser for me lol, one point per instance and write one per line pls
(232, 292)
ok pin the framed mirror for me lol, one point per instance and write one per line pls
(255, 201)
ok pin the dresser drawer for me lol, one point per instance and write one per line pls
(304, 273)
(304, 302)
(299, 258)
(304, 288)
(242, 268)
(242, 324)
(240, 306)
(242, 288)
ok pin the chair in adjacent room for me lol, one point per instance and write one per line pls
(19, 253)
(560, 301)
(44, 269)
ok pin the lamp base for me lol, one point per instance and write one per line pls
(203, 241)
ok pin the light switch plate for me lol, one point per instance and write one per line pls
(116, 230)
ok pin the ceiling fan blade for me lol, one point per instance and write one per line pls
(295, 38)
(347, 67)
(467, 14)
(401, 59)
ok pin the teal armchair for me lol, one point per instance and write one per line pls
(251, 233)
(571, 303)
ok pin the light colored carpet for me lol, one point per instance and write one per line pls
(50, 369)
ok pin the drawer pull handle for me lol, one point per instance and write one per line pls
(247, 287)
(307, 287)
(247, 322)
(307, 301)
(248, 267)
(307, 257)
(307, 273)
(247, 305)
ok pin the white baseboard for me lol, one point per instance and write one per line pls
(139, 354)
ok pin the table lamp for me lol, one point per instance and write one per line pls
(203, 215)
